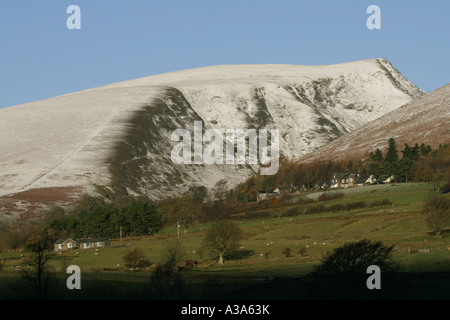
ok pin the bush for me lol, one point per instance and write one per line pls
(257, 215)
(135, 258)
(287, 252)
(292, 212)
(239, 255)
(167, 282)
(302, 252)
(337, 207)
(304, 200)
(342, 272)
(315, 209)
(356, 205)
(379, 203)
(331, 195)
(437, 210)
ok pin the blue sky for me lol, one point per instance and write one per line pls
(121, 40)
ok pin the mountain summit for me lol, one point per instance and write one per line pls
(117, 137)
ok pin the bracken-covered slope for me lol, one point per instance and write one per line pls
(117, 137)
(424, 120)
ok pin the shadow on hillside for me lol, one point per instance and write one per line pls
(239, 255)
(394, 286)
(445, 232)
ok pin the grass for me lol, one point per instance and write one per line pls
(401, 224)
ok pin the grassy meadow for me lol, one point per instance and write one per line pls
(261, 262)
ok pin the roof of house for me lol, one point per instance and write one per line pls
(89, 240)
(82, 240)
(340, 175)
(362, 179)
(60, 241)
(344, 175)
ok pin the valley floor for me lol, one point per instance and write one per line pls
(261, 270)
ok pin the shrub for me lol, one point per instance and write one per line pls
(356, 205)
(167, 282)
(239, 255)
(302, 252)
(437, 210)
(331, 195)
(342, 272)
(257, 215)
(287, 252)
(305, 200)
(315, 209)
(379, 203)
(135, 258)
(337, 207)
(294, 211)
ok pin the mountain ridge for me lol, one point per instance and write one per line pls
(117, 137)
(423, 120)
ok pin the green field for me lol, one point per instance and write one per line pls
(261, 263)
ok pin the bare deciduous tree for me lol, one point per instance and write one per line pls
(36, 274)
(437, 210)
(223, 238)
(166, 279)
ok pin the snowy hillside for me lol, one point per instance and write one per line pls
(118, 136)
(424, 120)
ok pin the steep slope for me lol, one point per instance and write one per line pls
(118, 136)
(423, 120)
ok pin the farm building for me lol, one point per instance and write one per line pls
(277, 192)
(367, 179)
(86, 243)
(344, 180)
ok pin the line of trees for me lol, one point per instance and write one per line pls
(418, 163)
(93, 217)
(411, 164)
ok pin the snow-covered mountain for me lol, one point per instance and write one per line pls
(118, 137)
(424, 120)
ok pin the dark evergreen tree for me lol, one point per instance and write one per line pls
(377, 156)
(392, 154)
(415, 153)
(424, 150)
